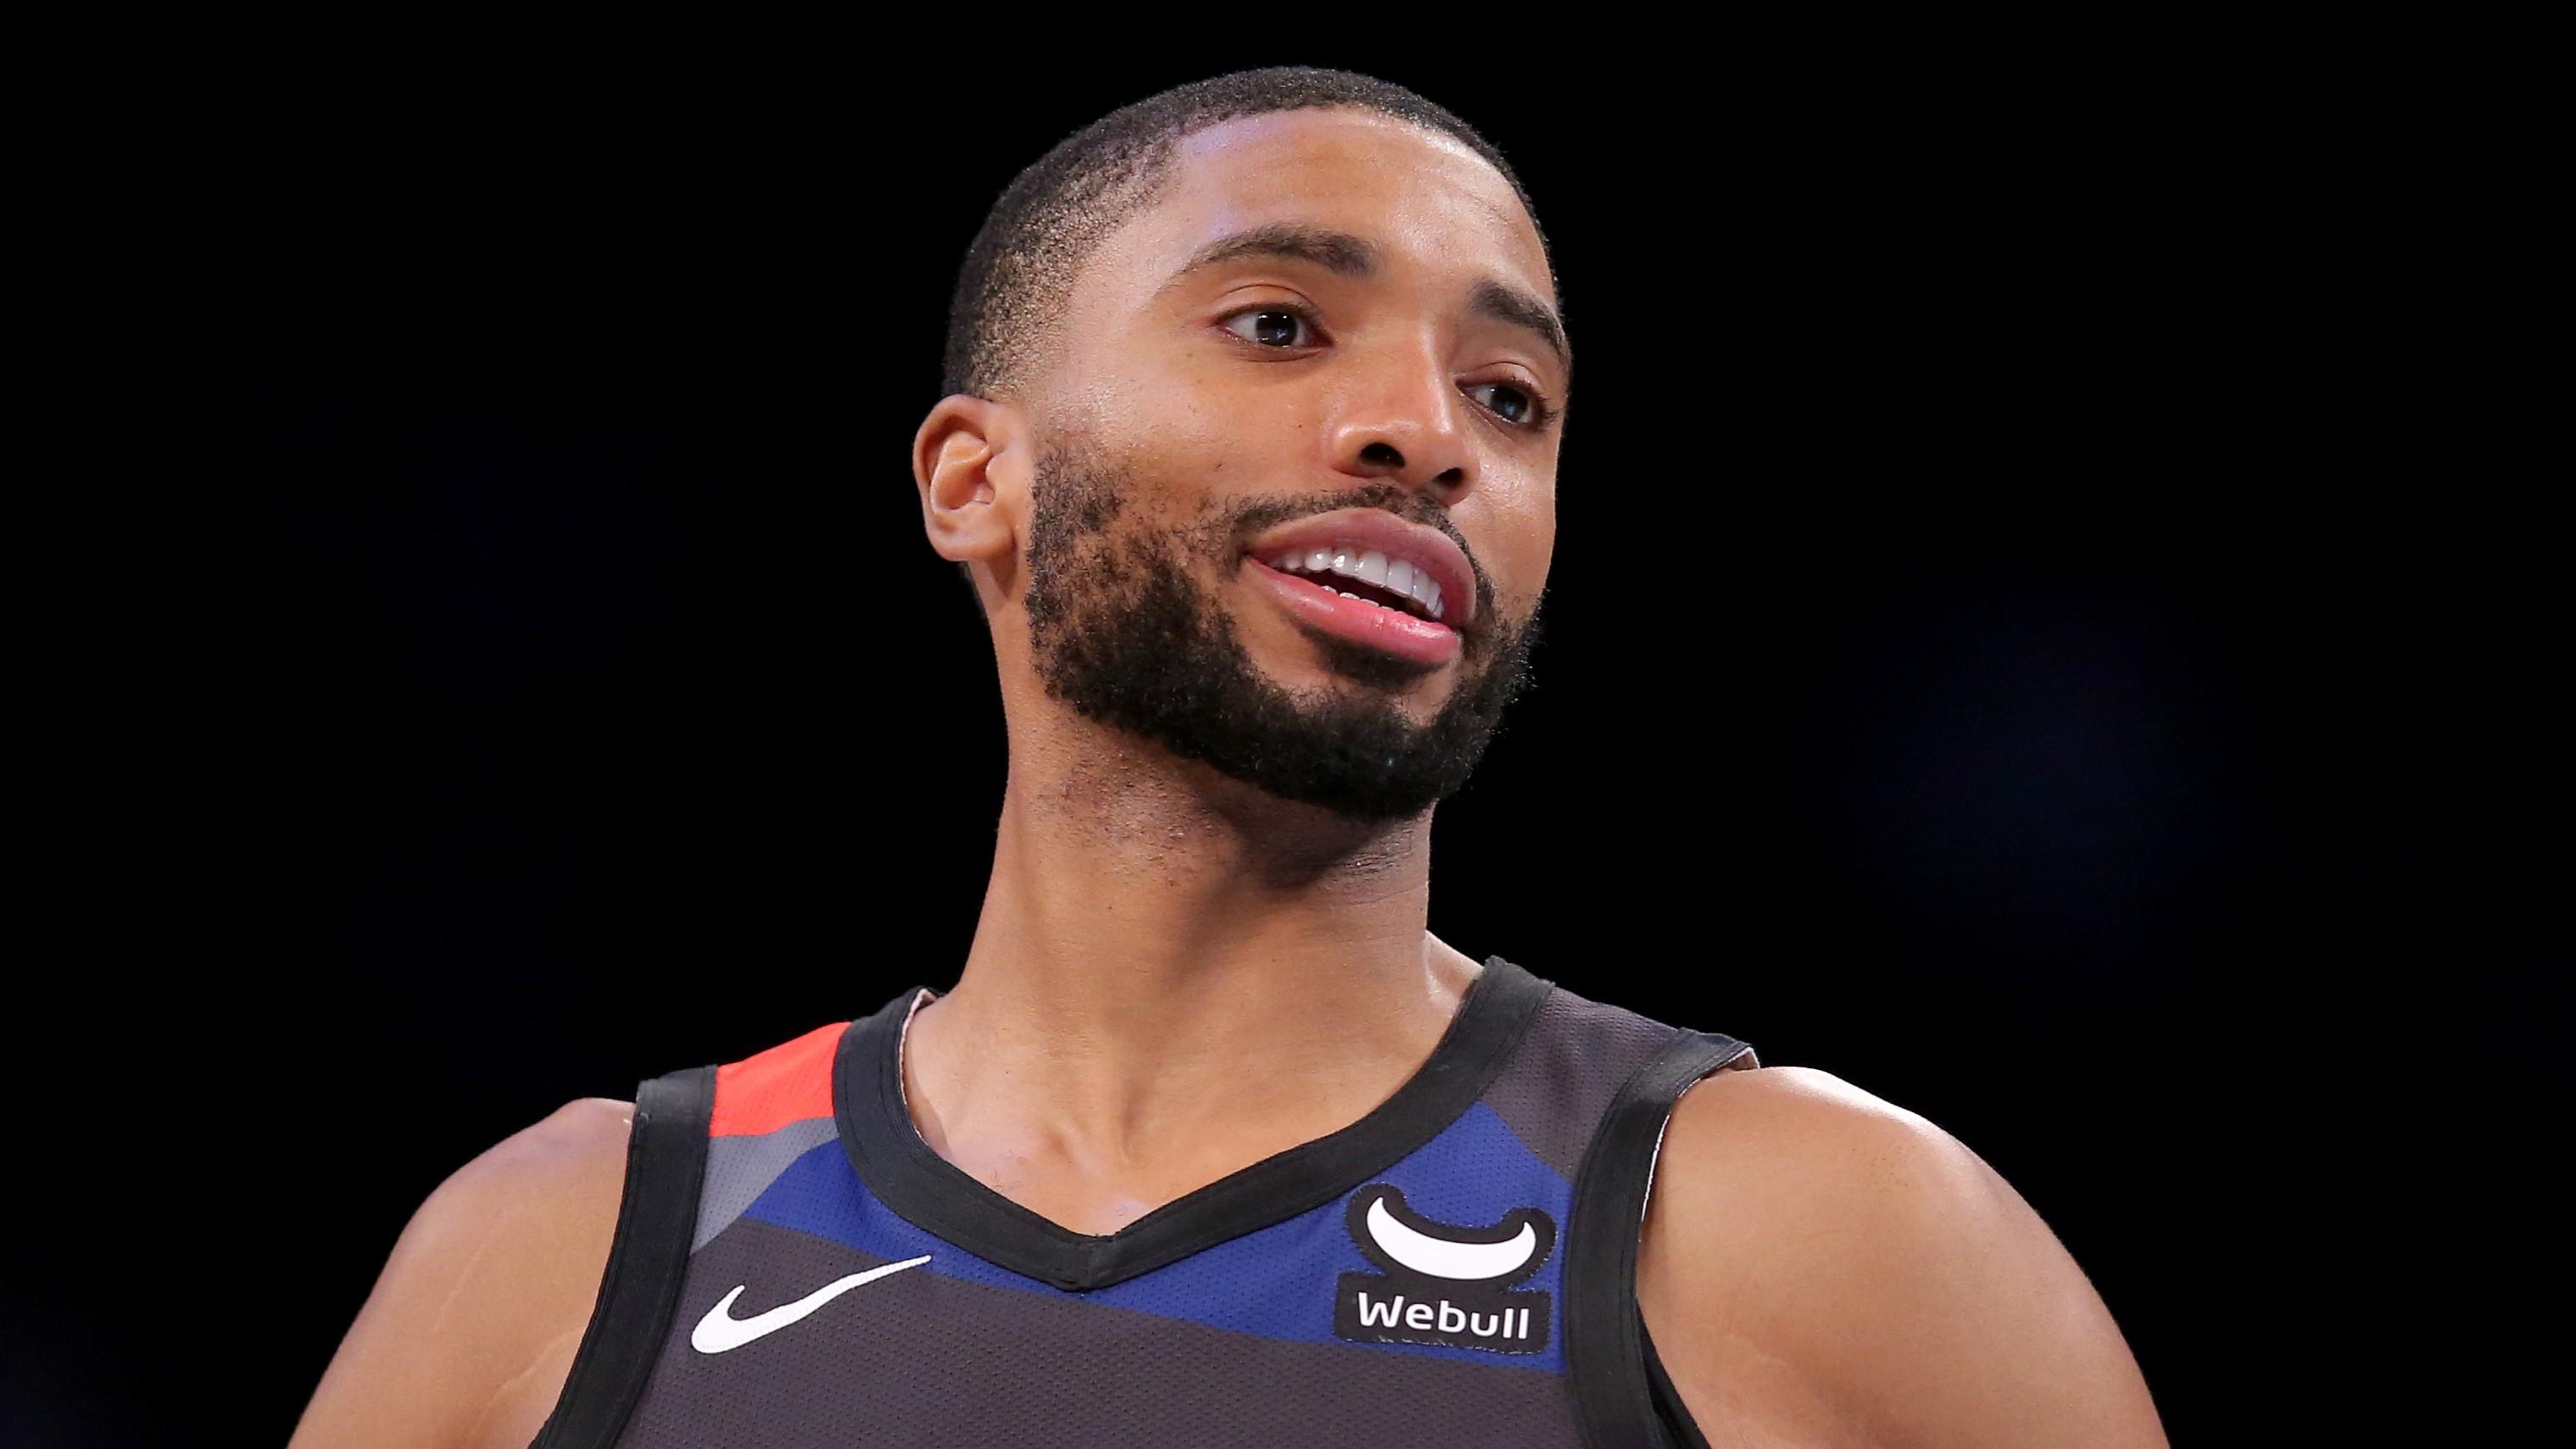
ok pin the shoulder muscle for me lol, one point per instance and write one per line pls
(1852, 1273)
(470, 1331)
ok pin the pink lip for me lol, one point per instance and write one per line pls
(1427, 549)
(1390, 630)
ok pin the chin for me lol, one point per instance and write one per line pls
(1329, 665)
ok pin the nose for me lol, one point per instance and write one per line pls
(1404, 427)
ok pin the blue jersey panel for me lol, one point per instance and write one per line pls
(1278, 1282)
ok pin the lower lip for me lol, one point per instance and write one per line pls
(1389, 630)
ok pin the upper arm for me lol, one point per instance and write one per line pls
(1854, 1270)
(470, 1331)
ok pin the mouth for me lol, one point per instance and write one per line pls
(1367, 577)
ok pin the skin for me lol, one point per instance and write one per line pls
(1174, 976)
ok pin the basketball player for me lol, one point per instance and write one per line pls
(1249, 451)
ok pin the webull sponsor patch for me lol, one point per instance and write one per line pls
(1440, 1283)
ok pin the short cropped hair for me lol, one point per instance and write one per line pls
(1021, 267)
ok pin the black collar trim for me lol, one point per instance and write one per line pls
(936, 1195)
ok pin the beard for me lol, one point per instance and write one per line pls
(1125, 635)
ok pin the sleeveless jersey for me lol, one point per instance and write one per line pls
(794, 1266)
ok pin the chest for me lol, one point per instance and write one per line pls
(1457, 1266)
(1422, 1307)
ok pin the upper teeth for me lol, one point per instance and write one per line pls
(1370, 567)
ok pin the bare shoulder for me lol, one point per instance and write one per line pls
(471, 1329)
(1734, 1111)
(1821, 1266)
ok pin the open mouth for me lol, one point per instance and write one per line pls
(1358, 612)
(1367, 576)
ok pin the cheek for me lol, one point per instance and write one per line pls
(1522, 542)
(1164, 452)
(1231, 437)
(1184, 442)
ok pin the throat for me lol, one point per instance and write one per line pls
(1092, 1129)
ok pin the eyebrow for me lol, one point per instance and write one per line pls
(1489, 298)
(1345, 255)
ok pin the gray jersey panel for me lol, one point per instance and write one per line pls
(1577, 1055)
(740, 1169)
(920, 1359)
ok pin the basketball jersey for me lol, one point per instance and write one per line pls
(794, 1266)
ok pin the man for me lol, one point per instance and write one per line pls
(1255, 390)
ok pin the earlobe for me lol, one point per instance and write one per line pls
(966, 466)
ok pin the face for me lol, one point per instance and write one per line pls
(1294, 507)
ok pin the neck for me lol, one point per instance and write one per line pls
(1171, 972)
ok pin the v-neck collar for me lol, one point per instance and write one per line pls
(935, 1194)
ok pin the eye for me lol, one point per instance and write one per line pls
(1274, 325)
(1512, 403)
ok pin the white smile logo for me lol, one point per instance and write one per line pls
(721, 1332)
(1443, 1257)
(1440, 1283)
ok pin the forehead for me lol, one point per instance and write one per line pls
(1425, 198)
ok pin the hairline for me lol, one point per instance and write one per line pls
(1148, 184)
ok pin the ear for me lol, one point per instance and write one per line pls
(971, 461)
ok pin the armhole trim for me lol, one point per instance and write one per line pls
(1606, 1353)
(1675, 1414)
(666, 1165)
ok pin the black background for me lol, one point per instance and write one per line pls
(2016, 642)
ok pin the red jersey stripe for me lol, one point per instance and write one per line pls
(787, 1083)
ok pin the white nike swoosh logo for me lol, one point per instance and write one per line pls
(720, 1331)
